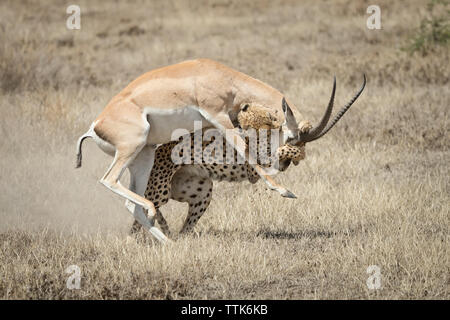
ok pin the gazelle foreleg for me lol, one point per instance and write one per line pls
(234, 139)
(224, 124)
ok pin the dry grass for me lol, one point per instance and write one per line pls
(375, 191)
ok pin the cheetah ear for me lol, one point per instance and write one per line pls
(244, 106)
(270, 116)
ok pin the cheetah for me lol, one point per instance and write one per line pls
(193, 183)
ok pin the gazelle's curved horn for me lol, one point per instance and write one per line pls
(311, 135)
(340, 113)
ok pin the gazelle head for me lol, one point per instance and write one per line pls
(296, 135)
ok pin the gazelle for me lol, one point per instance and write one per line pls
(150, 108)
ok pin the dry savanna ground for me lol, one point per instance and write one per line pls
(374, 191)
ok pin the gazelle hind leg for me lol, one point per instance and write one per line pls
(128, 204)
(126, 154)
(136, 227)
(140, 170)
(112, 183)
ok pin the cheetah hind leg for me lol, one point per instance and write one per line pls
(198, 204)
(162, 223)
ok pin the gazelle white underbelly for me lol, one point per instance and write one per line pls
(168, 125)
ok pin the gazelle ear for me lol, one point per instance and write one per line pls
(289, 116)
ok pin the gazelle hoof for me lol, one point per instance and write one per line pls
(288, 194)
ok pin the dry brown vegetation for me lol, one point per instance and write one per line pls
(375, 191)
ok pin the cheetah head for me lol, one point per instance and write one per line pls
(259, 117)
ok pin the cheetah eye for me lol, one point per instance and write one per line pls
(245, 107)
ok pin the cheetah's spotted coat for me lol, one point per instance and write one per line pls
(193, 183)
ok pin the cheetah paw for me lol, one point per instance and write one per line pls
(305, 126)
